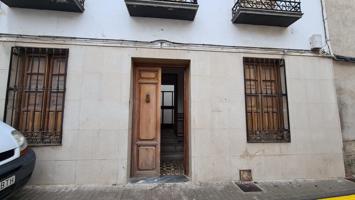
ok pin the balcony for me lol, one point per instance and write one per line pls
(60, 5)
(281, 13)
(169, 9)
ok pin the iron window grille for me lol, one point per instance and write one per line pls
(36, 92)
(274, 5)
(267, 116)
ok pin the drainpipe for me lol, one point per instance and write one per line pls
(326, 28)
(327, 38)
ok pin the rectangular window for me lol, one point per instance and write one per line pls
(35, 93)
(266, 100)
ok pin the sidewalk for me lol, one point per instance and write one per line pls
(189, 191)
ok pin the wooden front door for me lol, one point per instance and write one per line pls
(146, 122)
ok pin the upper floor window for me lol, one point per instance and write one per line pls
(266, 100)
(35, 93)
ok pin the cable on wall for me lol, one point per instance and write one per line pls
(327, 39)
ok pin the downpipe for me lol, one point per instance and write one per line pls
(328, 41)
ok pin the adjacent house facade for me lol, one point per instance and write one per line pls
(106, 91)
(341, 30)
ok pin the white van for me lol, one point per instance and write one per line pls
(17, 161)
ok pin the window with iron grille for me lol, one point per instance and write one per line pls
(266, 100)
(35, 93)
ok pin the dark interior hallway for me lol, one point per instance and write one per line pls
(172, 136)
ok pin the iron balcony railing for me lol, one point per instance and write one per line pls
(168, 9)
(271, 5)
(81, 2)
(181, 1)
(59, 5)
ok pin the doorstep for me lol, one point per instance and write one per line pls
(159, 180)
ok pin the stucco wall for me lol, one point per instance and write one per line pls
(344, 74)
(97, 125)
(341, 20)
(109, 19)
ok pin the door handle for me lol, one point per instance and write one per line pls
(147, 98)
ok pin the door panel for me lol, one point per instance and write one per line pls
(147, 111)
(146, 122)
(146, 158)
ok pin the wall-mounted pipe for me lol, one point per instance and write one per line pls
(326, 28)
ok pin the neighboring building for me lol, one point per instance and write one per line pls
(341, 19)
(103, 95)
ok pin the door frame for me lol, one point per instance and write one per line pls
(167, 63)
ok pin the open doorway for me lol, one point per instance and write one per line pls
(160, 139)
(172, 122)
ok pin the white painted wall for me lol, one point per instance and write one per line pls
(109, 19)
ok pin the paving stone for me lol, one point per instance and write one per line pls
(294, 190)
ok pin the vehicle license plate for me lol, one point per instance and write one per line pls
(7, 182)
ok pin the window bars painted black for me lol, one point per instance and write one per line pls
(36, 92)
(266, 100)
(274, 5)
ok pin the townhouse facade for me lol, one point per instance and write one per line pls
(107, 91)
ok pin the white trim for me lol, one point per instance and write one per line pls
(158, 44)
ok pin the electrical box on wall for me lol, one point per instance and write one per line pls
(316, 42)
